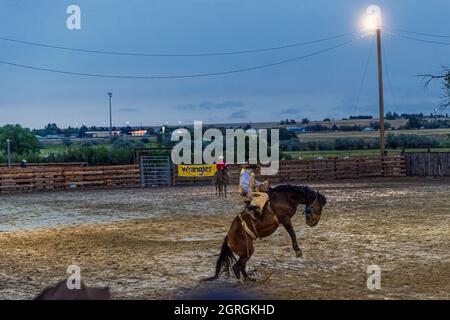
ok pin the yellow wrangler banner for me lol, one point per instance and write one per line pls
(196, 170)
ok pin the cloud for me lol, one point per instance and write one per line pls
(209, 105)
(238, 114)
(128, 110)
(290, 111)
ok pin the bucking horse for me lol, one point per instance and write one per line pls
(246, 227)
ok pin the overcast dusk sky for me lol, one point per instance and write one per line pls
(324, 85)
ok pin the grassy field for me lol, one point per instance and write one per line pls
(352, 153)
(315, 136)
(441, 134)
(59, 148)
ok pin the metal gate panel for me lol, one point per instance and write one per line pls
(155, 171)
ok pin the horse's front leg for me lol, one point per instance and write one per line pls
(287, 224)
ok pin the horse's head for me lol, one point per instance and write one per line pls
(292, 196)
(313, 210)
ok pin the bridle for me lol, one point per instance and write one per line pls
(309, 208)
(309, 211)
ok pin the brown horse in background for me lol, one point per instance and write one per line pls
(282, 206)
(221, 182)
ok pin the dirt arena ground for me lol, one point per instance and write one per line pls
(159, 243)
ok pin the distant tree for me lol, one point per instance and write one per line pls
(49, 129)
(445, 77)
(285, 134)
(317, 128)
(292, 121)
(391, 116)
(412, 115)
(326, 120)
(82, 131)
(413, 123)
(150, 131)
(342, 144)
(292, 144)
(350, 128)
(67, 142)
(376, 125)
(360, 117)
(87, 143)
(121, 143)
(305, 121)
(22, 140)
(126, 130)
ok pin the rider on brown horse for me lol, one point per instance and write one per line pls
(250, 188)
(221, 165)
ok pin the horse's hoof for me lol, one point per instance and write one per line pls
(299, 253)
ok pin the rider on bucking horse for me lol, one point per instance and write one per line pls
(221, 165)
(250, 188)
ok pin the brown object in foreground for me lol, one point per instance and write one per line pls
(61, 292)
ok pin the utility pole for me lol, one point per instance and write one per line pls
(8, 151)
(110, 115)
(380, 92)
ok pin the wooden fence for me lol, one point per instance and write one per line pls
(67, 177)
(327, 169)
(428, 164)
(4, 166)
(64, 177)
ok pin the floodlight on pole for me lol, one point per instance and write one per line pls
(372, 23)
(372, 20)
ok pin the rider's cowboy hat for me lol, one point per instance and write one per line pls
(253, 166)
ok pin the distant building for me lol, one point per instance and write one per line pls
(138, 133)
(296, 129)
(101, 134)
(54, 136)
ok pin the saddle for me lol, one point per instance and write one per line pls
(253, 232)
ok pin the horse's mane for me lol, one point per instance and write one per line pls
(305, 190)
(294, 189)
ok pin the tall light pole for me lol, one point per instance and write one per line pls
(380, 92)
(110, 115)
(373, 21)
(8, 151)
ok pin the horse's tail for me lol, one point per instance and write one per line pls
(224, 262)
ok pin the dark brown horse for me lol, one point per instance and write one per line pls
(282, 206)
(221, 182)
